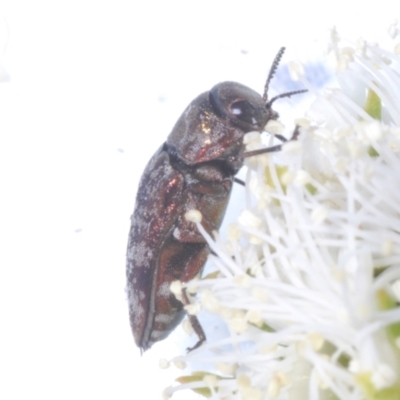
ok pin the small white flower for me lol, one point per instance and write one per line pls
(311, 295)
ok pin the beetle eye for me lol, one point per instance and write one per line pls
(241, 105)
(244, 111)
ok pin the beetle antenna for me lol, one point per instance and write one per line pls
(280, 96)
(272, 72)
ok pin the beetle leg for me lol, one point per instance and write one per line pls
(188, 275)
(271, 149)
(239, 181)
(295, 135)
(195, 324)
(280, 137)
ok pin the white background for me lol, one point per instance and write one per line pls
(94, 88)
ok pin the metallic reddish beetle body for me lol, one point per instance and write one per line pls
(193, 169)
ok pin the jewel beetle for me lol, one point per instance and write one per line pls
(194, 169)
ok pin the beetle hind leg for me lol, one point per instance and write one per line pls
(195, 324)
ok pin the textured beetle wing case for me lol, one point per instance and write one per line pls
(158, 204)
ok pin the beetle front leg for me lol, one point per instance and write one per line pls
(272, 149)
(294, 136)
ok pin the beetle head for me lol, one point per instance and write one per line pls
(240, 105)
(213, 126)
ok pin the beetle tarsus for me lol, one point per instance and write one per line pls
(295, 133)
(280, 137)
(199, 331)
(239, 181)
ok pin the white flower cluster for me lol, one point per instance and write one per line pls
(309, 279)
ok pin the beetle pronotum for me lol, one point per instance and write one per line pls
(194, 169)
